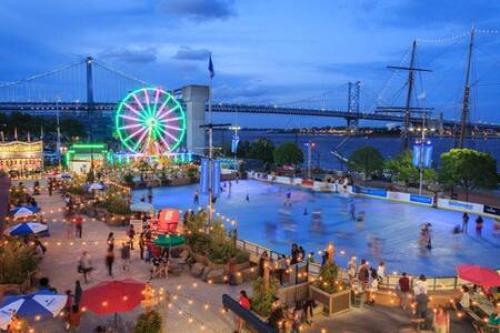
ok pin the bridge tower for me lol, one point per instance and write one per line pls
(91, 125)
(353, 92)
(90, 82)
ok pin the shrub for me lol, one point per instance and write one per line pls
(328, 278)
(199, 242)
(129, 179)
(75, 189)
(17, 260)
(262, 300)
(115, 206)
(148, 323)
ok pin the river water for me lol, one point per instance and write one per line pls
(388, 146)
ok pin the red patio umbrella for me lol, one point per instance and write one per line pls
(481, 276)
(116, 296)
(168, 220)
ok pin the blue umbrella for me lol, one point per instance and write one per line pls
(24, 211)
(35, 306)
(22, 229)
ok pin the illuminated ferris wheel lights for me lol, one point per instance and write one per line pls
(150, 121)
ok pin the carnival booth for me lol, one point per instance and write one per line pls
(21, 157)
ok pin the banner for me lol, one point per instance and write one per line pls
(370, 191)
(422, 154)
(421, 199)
(234, 144)
(491, 210)
(204, 176)
(215, 178)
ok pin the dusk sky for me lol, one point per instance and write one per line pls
(268, 51)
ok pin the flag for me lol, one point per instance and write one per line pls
(215, 179)
(211, 66)
(29, 137)
(15, 133)
(234, 144)
(422, 154)
(204, 176)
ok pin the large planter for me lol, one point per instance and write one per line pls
(333, 304)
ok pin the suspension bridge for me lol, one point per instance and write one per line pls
(89, 89)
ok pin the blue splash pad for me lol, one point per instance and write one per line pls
(389, 232)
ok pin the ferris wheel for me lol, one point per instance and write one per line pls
(150, 121)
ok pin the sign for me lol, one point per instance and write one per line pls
(398, 196)
(491, 210)
(370, 191)
(461, 206)
(422, 154)
(421, 199)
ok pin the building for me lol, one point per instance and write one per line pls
(81, 156)
(21, 157)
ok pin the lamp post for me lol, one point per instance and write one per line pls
(310, 145)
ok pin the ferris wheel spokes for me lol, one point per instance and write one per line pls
(150, 121)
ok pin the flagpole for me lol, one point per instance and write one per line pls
(210, 143)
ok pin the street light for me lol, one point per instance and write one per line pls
(310, 145)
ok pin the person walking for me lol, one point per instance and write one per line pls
(404, 290)
(78, 293)
(381, 272)
(420, 286)
(85, 265)
(364, 274)
(196, 198)
(141, 245)
(131, 236)
(125, 255)
(78, 226)
(111, 242)
(479, 225)
(109, 260)
(465, 222)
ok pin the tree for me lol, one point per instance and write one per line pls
(368, 160)
(262, 149)
(469, 169)
(288, 153)
(402, 169)
(243, 148)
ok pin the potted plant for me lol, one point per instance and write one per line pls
(149, 322)
(328, 289)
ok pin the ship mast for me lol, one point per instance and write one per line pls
(465, 115)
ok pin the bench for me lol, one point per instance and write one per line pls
(251, 320)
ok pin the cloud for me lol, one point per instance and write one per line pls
(187, 53)
(131, 55)
(200, 10)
